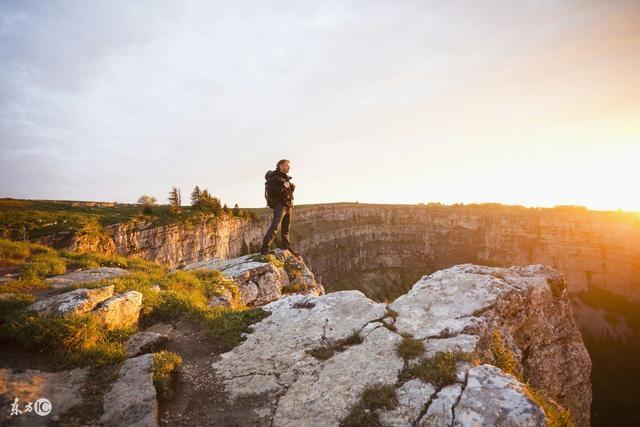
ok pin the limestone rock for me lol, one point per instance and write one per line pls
(261, 282)
(492, 397)
(225, 298)
(77, 301)
(301, 365)
(275, 358)
(460, 307)
(439, 412)
(85, 276)
(144, 342)
(132, 398)
(62, 389)
(120, 311)
(412, 397)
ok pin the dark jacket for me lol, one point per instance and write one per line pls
(277, 188)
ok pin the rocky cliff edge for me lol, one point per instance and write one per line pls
(469, 345)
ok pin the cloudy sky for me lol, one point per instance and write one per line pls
(520, 102)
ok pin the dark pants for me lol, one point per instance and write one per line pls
(280, 214)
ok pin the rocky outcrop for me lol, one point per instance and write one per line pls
(85, 276)
(310, 361)
(132, 398)
(61, 389)
(78, 301)
(120, 311)
(112, 311)
(262, 279)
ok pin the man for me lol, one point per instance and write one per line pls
(279, 190)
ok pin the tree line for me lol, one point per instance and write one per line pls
(201, 200)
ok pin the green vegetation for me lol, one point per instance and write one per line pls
(77, 340)
(33, 219)
(73, 339)
(270, 258)
(410, 348)
(375, 397)
(165, 364)
(439, 370)
(36, 262)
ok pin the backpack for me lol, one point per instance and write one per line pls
(271, 202)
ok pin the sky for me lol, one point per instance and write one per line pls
(535, 103)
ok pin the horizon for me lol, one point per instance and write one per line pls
(356, 202)
(530, 104)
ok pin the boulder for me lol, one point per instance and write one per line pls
(132, 398)
(77, 301)
(120, 311)
(144, 342)
(260, 281)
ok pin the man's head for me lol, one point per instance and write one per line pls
(283, 165)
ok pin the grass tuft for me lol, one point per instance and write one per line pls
(374, 397)
(410, 348)
(439, 370)
(165, 364)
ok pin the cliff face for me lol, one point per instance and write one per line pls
(588, 247)
(180, 244)
(310, 362)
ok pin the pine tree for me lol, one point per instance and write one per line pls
(236, 210)
(175, 200)
(195, 197)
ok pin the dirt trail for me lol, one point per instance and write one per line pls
(198, 398)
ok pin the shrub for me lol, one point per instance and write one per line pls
(165, 364)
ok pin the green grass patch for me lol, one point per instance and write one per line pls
(410, 348)
(439, 370)
(270, 258)
(75, 340)
(375, 397)
(165, 364)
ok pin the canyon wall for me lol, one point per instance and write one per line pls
(588, 247)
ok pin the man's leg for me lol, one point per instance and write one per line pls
(284, 233)
(278, 212)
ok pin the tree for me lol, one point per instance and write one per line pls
(210, 202)
(175, 200)
(236, 210)
(147, 202)
(195, 197)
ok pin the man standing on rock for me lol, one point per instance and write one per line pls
(279, 194)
